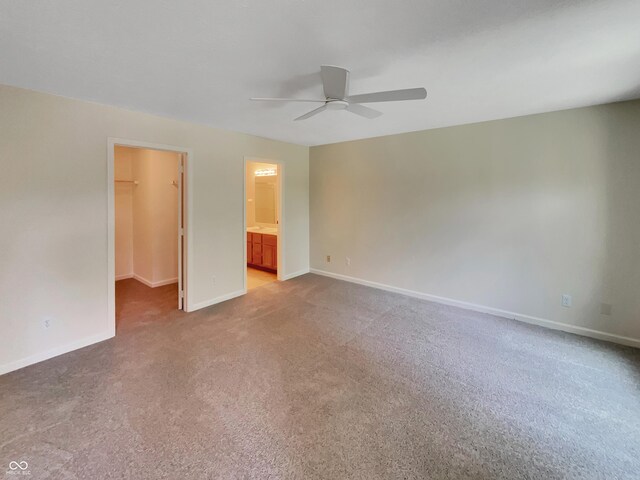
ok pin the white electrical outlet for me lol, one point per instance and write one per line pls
(46, 323)
(567, 301)
(347, 260)
(213, 279)
(328, 258)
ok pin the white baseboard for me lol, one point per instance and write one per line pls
(159, 283)
(54, 352)
(295, 274)
(587, 332)
(237, 293)
(213, 301)
(124, 277)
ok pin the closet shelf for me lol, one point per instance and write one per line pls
(135, 182)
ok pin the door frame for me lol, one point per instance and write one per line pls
(280, 210)
(187, 219)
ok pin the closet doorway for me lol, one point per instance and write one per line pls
(263, 227)
(147, 231)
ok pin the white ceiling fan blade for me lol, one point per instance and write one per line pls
(389, 96)
(312, 113)
(267, 99)
(363, 111)
(335, 81)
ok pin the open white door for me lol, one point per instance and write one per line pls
(181, 163)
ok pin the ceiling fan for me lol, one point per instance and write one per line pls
(335, 82)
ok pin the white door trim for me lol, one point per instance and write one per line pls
(112, 142)
(281, 221)
(182, 164)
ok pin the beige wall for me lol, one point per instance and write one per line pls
(146, 215)
(508, 214)
(123, 193)
(155, 217)
(54, 159)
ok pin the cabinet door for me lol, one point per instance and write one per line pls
(256, 254)
(268, 256)
(256, 249)
(249, 253)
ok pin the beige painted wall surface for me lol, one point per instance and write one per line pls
(123, 193)
(146, 215)
(508, 214)
(142, 217)
(155, 216)
(54, 159)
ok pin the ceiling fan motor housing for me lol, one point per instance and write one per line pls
(336, 104)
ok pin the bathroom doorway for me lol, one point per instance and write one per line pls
(263, 222)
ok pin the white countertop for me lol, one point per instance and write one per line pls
(263, 230)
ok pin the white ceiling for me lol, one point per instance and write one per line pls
(201, 60)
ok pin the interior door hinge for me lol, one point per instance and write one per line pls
(182, 231)
(181, 293)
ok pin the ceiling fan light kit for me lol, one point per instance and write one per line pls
(335, 83)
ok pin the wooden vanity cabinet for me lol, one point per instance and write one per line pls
(262, 251)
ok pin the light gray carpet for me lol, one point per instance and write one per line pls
(316, 378)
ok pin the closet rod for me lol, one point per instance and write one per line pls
(135, 182)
